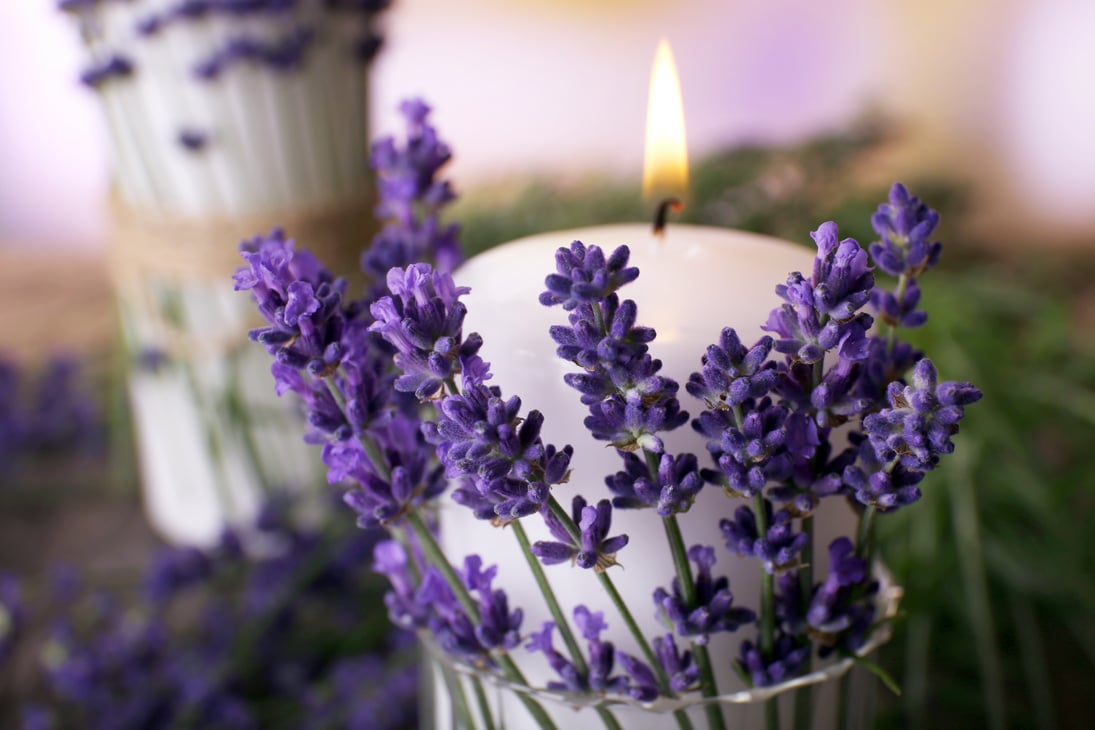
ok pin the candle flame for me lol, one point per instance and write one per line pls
(665, 166)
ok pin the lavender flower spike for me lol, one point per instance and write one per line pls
(714, 610)
(683, 673)
(584, 276)
(842, 608)
(299, 298)
(778, 548)
(905, 224)
(595, 549)
(732, 373)
(423, 319)
(922, 417)
(822, 313)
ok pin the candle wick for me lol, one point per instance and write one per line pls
(661, 216)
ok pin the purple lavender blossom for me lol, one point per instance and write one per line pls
(629, 402)
(753, 455)
(779, 547)
(822, 313)
(498, 626)
(671, 491)
(714, 610)
(505, 469)
(423, 320)
(175, 569)
(405, 609)
(683, 673)
(112, 68)
(602, 656)
(384, 497)
(412, 198)
(733, 373)
(905, 224)
(299, 298)
(922, 417)
(788, 657)
(594, 550)
(584, 276)
(886, 485)
(193, 140)
(842, 608)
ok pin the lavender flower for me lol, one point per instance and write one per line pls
(584, 276)
(412, 198)
(405, 607)
(174, 569)
(671, 491)
(886, 485)
(821, 313)
(422, 320)
(905, 225)
(778, 547)
(918, 426)
(498, 627)
(114, 67)
(842, 608)
(787, 658)
(506, 470)
(193, 140)
(713, 611)
(381, 498)
(594, 549)
(682, 671)
(629, 402)
(602, 656)
(733, 373)
(299, 298)
(753, 455)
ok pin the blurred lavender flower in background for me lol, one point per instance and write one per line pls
(223, 631)
(412, 198)
(46, 413)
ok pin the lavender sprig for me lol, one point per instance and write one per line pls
(594, 550)
(713, 609)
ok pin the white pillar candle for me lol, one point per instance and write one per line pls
(693, 282)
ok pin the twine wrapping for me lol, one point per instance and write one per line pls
(153, 252)
(172, 248)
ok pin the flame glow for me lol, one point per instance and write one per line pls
(665, 164)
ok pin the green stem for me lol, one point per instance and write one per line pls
(803, 715)
(549, 596)
(481, 701)
(708, 687)
(891, 338)
(459, 698)
(767, 588)
(863, 535)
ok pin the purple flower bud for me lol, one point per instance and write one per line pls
(714, 610)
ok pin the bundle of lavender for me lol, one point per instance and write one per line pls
(225, 115)
(833, 405)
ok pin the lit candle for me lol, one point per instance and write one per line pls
(694, 281)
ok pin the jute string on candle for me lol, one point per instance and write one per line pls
(153, 251)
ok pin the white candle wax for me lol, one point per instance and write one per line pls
(693, 282)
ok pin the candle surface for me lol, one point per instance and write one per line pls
(693, 282)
